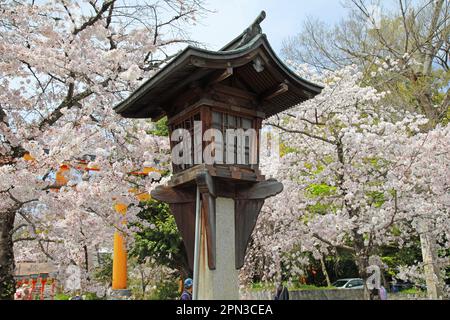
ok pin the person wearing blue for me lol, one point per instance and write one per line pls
(187, 292)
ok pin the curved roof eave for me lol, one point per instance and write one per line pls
(185, 56)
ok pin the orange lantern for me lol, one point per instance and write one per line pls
(119, 279)
(61, 175)
(28, 157)
(81, 165)
(145, 171)
(141, 196)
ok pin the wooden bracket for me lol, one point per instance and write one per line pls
(221, 76)
(248, 204)
(258, 65)
(171, 195)
(274, 92)
(205, 183)
(206, 187)
(261, 190)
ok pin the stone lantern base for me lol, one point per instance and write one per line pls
(123, 294)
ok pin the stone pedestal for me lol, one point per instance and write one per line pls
(221, 283)
(229, 212)
(124, 294)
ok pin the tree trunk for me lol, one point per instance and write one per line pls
(86, 259)
(362, 260)
(325, 272)
(429, 257)
(427, 240)
(7, 282)
(143, 281)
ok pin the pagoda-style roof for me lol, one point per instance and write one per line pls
(249, 57)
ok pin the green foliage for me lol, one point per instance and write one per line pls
(86, 296)
(320, 190)
(322, 206)
(295, 286)
(414, 291)
(317, 208)
(285, 149)
(376, 198)
(62, 296)
(309, 287)
(446, 119)
(395, 230)
(393, 256)
(259, 286)
(103, 273)
(377, 163)
(161, 128)
(91, 296)
(7, 287)
(161, 239)
(314, 170)
(165, 290)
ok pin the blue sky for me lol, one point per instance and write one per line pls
(284, 18)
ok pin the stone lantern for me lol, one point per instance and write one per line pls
(215, 102)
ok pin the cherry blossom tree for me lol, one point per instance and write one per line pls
(357, 174)
(374, 36)
(65, 157)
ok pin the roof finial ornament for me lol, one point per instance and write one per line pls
(253, 30)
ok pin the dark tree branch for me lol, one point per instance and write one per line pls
(343, 247)
(106, 5)
(303, 133)
(40, 241)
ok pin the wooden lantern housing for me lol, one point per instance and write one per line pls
(236, 87)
